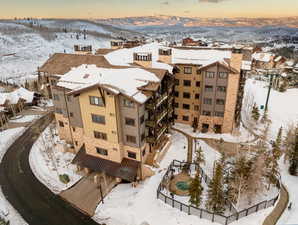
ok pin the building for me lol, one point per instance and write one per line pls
(115, 117)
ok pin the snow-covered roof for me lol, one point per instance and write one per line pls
(262, 56)
(124, 57)
(124, 80)
(199, 57)
(14, 96)
(246, 65)
(277, 58)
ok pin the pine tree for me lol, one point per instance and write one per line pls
(200, 158)
(255, 112)
(216, 200)
(196, 190)
(255, 178)
(294, 156)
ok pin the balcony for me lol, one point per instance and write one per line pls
(161, 132)
(150, 123)
(161, 115)
(161, 99)
(150, 105)
(150, 139)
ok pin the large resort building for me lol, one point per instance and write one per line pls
(116, 109)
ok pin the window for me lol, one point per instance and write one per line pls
(223, 75)
(176, 82)
(208, 101)
(58, 110)
(187, 70)
(206, 113)
(100, 135)
(220, 101)
(56, 97)
(176, 93)
(210, 74)
(101, 151)
(196, 108)
(68, 98)
(197, 96)
(95, 101)
(128, 103)
(186, 106)
(176, 105)
(186, 95)
(198, 83)
(73, 129)
(143, 137)
(198, 72)
(221, 88)
(175, 116)
(61, 124)
(98, 119)
(76, 143)
(208, 88)
(53, 82)
(71, 114)
(219, 114)
(142, 119)
(131, 139)
(129, 121)
(185, 118)
(186, 83)
(144, 152)
(132, 155)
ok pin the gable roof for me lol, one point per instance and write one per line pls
(61, 63)
(220, 63)
(124, 81)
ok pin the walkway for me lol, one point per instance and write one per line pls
(35, 202)
(86, 194)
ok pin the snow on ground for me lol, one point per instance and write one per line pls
(132, 206)
(32, 50)
(45, 170)
(291, 182)
(283, 107)
(7, 137)
(25, 119)
(243, 137)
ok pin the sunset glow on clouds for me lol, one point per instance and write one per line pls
(127, 8)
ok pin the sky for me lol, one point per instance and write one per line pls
(127, 8)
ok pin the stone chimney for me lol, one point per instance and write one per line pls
(165, 55)
(143, 59)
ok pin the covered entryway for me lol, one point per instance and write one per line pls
(88, 192)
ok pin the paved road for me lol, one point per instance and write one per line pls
(37, 204)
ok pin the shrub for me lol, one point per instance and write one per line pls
(64, 178)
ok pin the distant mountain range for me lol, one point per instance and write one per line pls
(166, 21)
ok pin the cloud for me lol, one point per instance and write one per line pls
(165, 3)
(212, 1)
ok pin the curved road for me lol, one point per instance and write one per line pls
(37, 204)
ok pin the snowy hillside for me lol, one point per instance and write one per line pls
(22, 49)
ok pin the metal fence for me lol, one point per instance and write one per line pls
(203, 213)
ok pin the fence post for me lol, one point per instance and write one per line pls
(201, 213)
(213, 217)
(227, 218)
(246, 212)
(172, 202)
(237, 216)
(188, 210)
(165, 199)
(266, 205)
(180, 206)
(257, 208)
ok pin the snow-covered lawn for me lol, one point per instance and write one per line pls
(48, 163)
(282, 107)
(133, 206)
(244, 135)
(25, 119)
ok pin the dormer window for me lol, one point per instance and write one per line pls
(142, 56)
